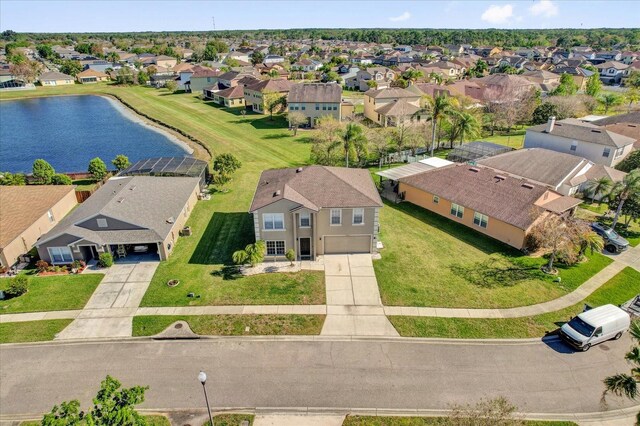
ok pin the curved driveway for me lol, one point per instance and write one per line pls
(314, 372)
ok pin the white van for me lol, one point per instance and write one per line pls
(595, 326)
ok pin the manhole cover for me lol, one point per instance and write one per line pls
(604, 347)
(178, 326)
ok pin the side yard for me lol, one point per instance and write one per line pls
(619, 289)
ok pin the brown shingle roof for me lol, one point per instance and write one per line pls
(317, 187)
(53, 75)
(91, 73)
(315, 92)
(234, 92)
(271, 85)
(21, 206)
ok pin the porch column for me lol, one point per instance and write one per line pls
(295, 236)
(314, 233)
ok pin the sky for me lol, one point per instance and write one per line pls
(159, 15)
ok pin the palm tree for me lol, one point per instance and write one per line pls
(609, 100)
(351, 140)
(629, 187)
(468, 125)
(437, 108)
(412, 75)
(631, 96)
(589, 240)
(599, 186)
(437, 77)
(252, 254)
(624, 384)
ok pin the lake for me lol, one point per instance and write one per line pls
(68, 131)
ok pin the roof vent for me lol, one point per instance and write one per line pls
(299, 169)
(500, 177)
(596, 131)
(527, 185)
(277, 193)
(171, 220)
(474, 169)
(132, 188)
(120, 200)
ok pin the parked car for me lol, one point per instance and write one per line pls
(595, 326)
(613, 242)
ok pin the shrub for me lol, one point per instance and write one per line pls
(78, 264)
(106, 260)
(290, 255)
(18, 286)
(42, 265)
(61, 179)
(97, 168)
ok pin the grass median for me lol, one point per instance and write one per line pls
(31, 331)
(619, 289)
(429, 421)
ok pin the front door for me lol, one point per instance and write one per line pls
(305, 248)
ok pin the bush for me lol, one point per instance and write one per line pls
(78, 264)
(18, 286)
(42, 265)
(61, 179)
(106, 260)
(290, 255)
(97, 168)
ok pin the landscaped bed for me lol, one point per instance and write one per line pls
(31, 331)
(429, 260)
(230, 419)
(232, 325)
(51, 293)
(619, 289)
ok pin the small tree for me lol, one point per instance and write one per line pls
(567, 86)
(631, 97)
(555, 235)
(622, 191)
(121, 162)
(61, 179)
(599, 186)
(105, 260)
(18, 286)
(11, 179)
(290, 255)
(252, 254)
(97, 168)
(273, 101)
(352, 141)
(631, 162)
(143, 78)
(609, 100)
(296, 119)
(43, 171)
(124, 76)
(594, 85)
(171, 86)
(224, 165)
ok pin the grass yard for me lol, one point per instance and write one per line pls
(427, 421)
(515, 139)
(619, 289)
(426, 256)
(151, 420)
(232, 325)
(595, 212)
(52, 293)
(230, 419)
(84, 184)
(31, 331)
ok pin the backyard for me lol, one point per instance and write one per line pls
(429, 260)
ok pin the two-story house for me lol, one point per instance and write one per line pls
(254, 92)
(316, 210)
(382, 76)
(582, 139)
(388, 107)
(315, 100)
(612, 72)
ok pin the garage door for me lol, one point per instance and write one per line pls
(334, 244)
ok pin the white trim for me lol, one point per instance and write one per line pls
(308, 214)
(284, 242)
(479, 225)
(264, 221)
(353, 216)
(331, 217)
(51, 257)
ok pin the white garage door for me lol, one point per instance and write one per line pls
(334, 244)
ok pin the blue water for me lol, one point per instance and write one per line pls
(69, 131)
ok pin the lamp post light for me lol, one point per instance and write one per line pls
(202, 377)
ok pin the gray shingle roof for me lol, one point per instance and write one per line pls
(315, 92)
(53, 75)
(317, 187)
(573, 129)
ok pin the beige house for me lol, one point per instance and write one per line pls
(91, 76)
(316, 210)
(53, 78)
(486, 200)
(165, 61)
(130, 215)
(315, 100)
(231, 97)
(27, 213)
(387, 107)
(254, 93)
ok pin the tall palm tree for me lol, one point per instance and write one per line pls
(352, 140)
(437, 108)
(624, 384)
(412, 75)
(468, 125)
(599, 186)
(589, 240)
(629, 187)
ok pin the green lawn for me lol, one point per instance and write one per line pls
(230, 419)
(84, 184)
(52, 293)
(31, 331)
(427, 260)
(595, 212)
(619, 289)
(232, 325)
(514, 139)
(426, 421)
(152, 420)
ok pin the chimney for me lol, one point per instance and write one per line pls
(550, 123)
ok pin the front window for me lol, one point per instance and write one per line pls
(336, 217)
(358, 216)
(305, 220)
(436, 199)
(480, 220)
(574, 145)
(457, 210)
(60, 254)
(275, 248)
(273, 221)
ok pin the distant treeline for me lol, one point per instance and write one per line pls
(598, 38)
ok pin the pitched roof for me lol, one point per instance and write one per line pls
(315, 92)
(632, 117)
(577, 130)
(400, 107)
(391, 92)
(23, 205)
(600, 170)
(540, 165)
(52, 75)
(147, 202)
(317, 187)
(205, 72)
(234, 92)
(91, 73)
(271, 85)
(483, 189)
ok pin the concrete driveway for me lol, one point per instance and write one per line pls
(110, 310)
(354, 307)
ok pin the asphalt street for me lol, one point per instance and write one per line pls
(401, 374)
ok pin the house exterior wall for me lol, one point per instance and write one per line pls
(253, 99)
(590, 151)
(199, 83)
(314, 110)
(165, 249)
(497, 229)
(372, 104)
(57, 82)
(25, 241)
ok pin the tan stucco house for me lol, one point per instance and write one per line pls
(316, 210)
(53, 78)
(387, 107)
(231, 97)
(315, 100)
(27, 213)
(254, 92)
(127, 215)
(91, 76)
(486, 200)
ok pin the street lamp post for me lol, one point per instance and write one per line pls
(202, 377)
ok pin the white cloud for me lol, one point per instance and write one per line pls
(399, 18)
(498, 14)
(544, 8)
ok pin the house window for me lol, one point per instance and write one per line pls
(618, 153)
(303, 107)
(574, 145)
(358, 216)
(336, 217)
(60, 254)
(324, 107)
(273, 221)
(606, 152)
(305, 220)
(102, 223)
(436, 199)
(317, 107)
(480, 219)
(50, 216)
(457, 210)
(335, 107)
(275, 248)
